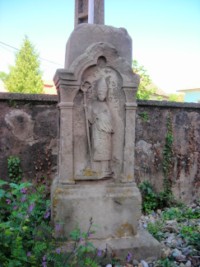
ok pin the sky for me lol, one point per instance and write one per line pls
(165, 35)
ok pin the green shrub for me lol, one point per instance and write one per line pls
(14, 169)
(27, 237)
(180, 215)
(151, 200)
(165, 263)
(156, 229)
(25, 232)
(172, 213)
(191, 235)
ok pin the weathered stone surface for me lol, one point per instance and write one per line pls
(21, 125)
(115, 208)
(28, 130)
(142, 246)
(183, 119)
(88, 34)
(81, 12)
(98, 17)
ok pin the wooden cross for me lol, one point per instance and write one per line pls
(89, 11)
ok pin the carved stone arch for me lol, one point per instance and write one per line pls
(90, 57)
(122, 162)
(73, 164)
(73, 75)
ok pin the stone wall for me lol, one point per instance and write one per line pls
(29, 130)
(180, 122)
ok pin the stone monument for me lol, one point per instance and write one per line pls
(97, 106)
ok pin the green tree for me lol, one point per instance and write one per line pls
(3, 76)
(145, 89)
(25, 76)
(176, 98)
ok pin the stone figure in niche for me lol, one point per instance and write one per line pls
(99, 132)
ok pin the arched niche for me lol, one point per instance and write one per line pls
(99, 62)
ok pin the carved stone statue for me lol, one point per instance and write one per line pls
(101, 130)
(99, 123)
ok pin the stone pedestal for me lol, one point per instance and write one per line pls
(115, 211)
(97, 106)
(115, 208)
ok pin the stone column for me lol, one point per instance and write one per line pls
(89, 11)
(98, 12)
(66, 161)
(129, 148)
(81, 12)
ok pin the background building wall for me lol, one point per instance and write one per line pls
(193, 96)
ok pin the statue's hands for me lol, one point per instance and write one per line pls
(85, 86)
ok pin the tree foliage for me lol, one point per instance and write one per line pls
(3, 76)
(25, 76)
(176, 98)
(145, 89)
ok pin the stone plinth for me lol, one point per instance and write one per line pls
(115, 208)
(141, 246)
(115, 211)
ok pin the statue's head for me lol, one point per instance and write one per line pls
(102, 89)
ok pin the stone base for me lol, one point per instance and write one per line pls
(114, 208)
(142, 246)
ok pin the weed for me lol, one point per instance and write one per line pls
(27, 237)
(181, 214)
(152, 200)
(144, 115)
(168, 157)
(156, 229)
(172, 213)
(22, 211)
(165, 263)
(14, 169)
(191, 235)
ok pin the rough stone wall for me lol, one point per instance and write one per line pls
(181, 124)
(28, 129)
